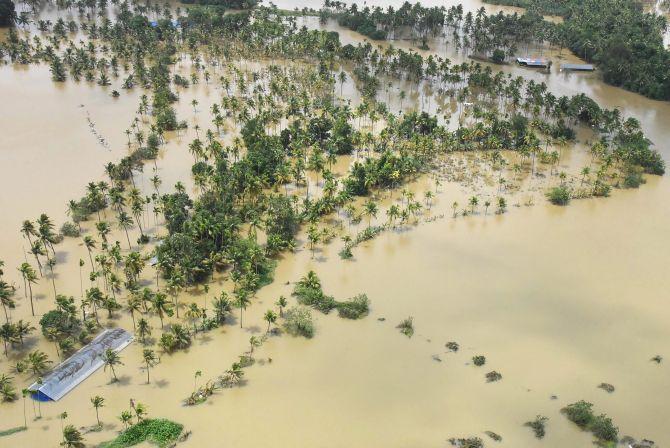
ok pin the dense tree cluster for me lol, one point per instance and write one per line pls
(625, 42)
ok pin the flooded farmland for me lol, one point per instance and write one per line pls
(558, 299)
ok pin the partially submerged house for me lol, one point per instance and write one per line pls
(533, 62)
(68, 374)
(577, 67)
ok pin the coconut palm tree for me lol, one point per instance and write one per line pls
(143, 329)
(6, 293)
(134, 305)
(97, 402)
(270, 317)
(150, 360)
(29, 278)
(125, 222)
(111, 359)
(8, 335)
(72, 438)
(90, 244)
(221, 307)
(126, 418)
(162, 306)
(242, 300)
(38, 362)
(281, 304)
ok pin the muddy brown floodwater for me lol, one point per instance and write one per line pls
(559, 300)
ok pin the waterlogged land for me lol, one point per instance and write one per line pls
(558, 300)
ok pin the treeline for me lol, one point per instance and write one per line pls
(7, 13)
(625, 42)
(497, 35)
(228, 4)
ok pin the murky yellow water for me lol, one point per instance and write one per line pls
(557, 299)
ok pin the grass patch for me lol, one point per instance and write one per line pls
(159, 431)
(9, 432)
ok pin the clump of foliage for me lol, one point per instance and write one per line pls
(160, 431)
(59, 322)
(7, 13)
(538, 425)
(452, 346)
(633, 178)
(70, 229)
(9, 432)
(606, 387)
(559, 195)
(309, 292)
(178, 338)
(479, 360)
(581, 413)
(406, 327)
(200, 396)
(354, 308)
(298, 322)
(494, 436)
(470, 442)
(493, 376)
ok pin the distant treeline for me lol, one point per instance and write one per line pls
(625, 42)
(230, 4)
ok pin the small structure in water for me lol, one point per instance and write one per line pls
(577, 67)
(68, 374)
(533, 62)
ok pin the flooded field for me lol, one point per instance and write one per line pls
(558, 299)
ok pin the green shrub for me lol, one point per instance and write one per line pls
(298, 322)
(633, 179)
(407, 327)
(479, 360)
(579, 413)
(160, 431)
(498, 56)
(493, 376)
(559, 195)
(354, 308)
(60, 322)
(603, 428)
(538, 425)
(70, 229)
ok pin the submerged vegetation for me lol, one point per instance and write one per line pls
(601, 426)
(161, 432)
(308, 291)
(625, 41)
(265, 170)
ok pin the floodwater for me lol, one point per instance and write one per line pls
(559, 300)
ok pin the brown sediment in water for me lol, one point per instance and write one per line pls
(556, 299)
